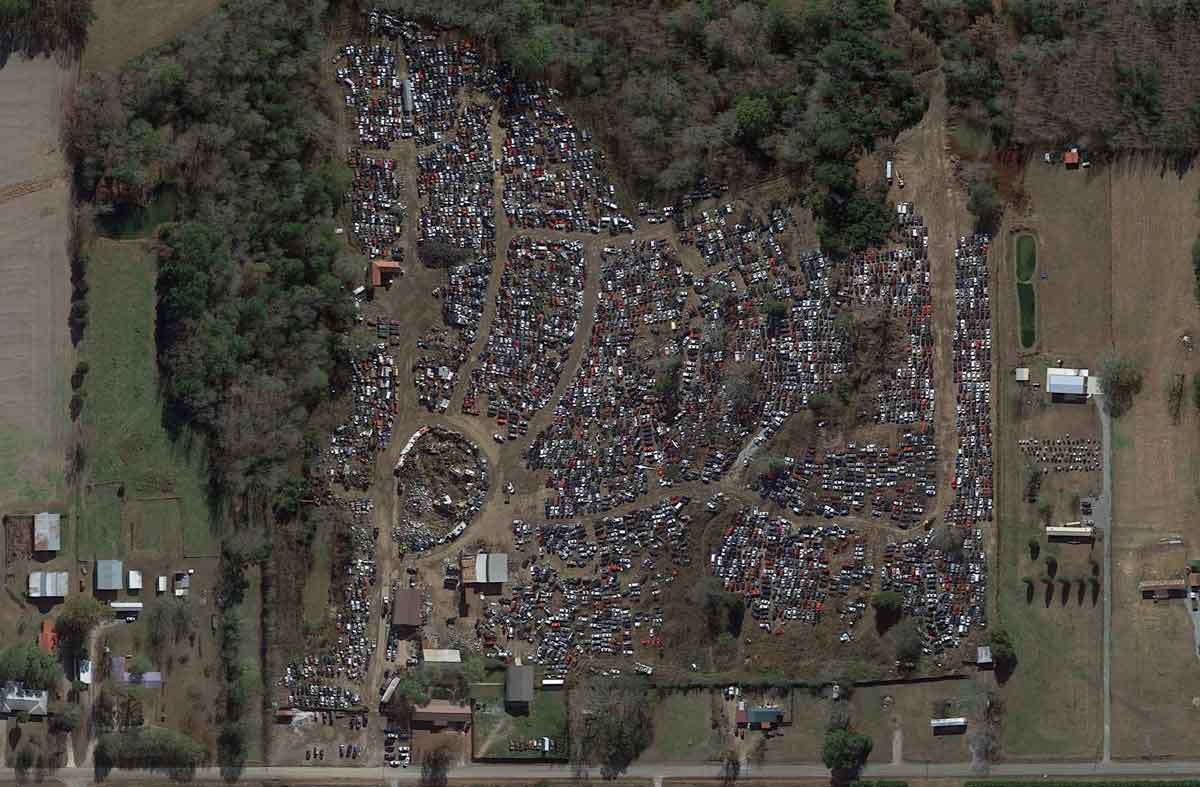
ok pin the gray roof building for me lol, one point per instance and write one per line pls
(518, 684)
(109, 575)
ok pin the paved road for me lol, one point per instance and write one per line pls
(1102, 514)
(481, 773)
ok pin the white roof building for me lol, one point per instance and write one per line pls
(18, 699)
(48, 584)
(47, 532)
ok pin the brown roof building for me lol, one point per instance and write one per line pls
(439, 714)
(406, 608)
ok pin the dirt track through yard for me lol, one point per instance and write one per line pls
(930, 183)
(35, 351)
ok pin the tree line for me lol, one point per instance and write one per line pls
(722, 89)
(253, 287)
(41, 27)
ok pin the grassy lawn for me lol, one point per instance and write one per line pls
(133, 470)
(1026, 297)
(320, 574)
(494, 727)
(801, 740)
(683, 728)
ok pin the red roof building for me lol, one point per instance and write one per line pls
(48, 638)
(382, 271)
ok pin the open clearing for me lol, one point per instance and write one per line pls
(141, 490)
(879, 710)
(1114, 243)
(1155, 474)
(35, 224)
(684, 728)
(125, 29)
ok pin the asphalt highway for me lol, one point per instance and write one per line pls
(78, 777)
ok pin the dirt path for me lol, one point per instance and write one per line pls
(925, 163)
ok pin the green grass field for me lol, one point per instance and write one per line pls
(495, 727)
(127, 453)
(1027, 299)
(1026, 258)
(320, 575)
(683, 730)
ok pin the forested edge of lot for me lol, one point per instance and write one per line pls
(253, 287)
(43, 27)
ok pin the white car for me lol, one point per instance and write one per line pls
(499, 438)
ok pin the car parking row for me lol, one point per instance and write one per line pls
(787, 572)
(333, 680)
(355, 444)
(861, 479)
(601, 599)
(1064, 454)
(377, 211)
(538, 305)
(553, 176)
(897, 281)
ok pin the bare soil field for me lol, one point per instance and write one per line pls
(1156, 477)
(35, 223)
(124, 29)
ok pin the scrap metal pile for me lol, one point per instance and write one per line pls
(537, 312)
(354, 445)
(608, 611)
(787, 572)
(333, 680)
(553, 177)
(863, 478)
(442, 483)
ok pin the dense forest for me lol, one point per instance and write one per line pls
(252, 288)
(42, 27)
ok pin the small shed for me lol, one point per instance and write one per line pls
(949, 726)
(161, 585)
(47, 532)
(135, 579)
(983, 656)
(1021, 374)
(383, 271)
(109, 574)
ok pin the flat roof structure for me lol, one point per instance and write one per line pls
(1022, 374)
(109, 574)
(441, 656)
(383, 268)
(1070, 531)
(406, 608)
(48, 584)
(135, 579)
(518, 684)
(1071, 383)
(484, 569)
(47, 532)
(18, 699)
(440, 713)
